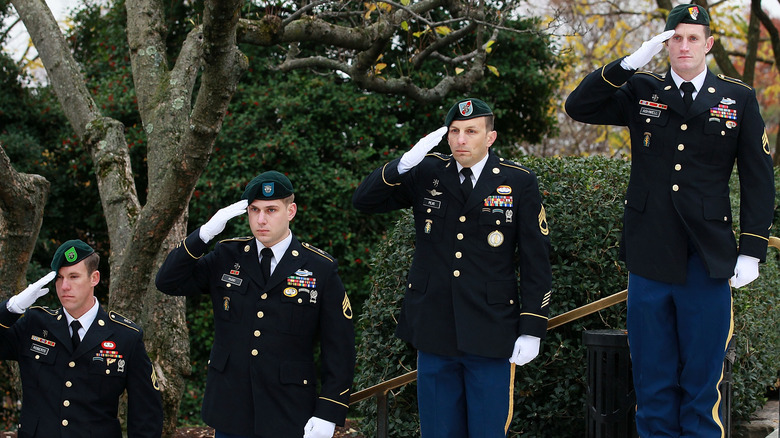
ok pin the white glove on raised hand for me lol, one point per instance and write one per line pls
(24, 299)
(526, 349)
(745, 271)
(318, 428)
(217, 223)
(415, 155)
(645, 53)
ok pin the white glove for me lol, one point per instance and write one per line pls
(526, 349)
(24, 299)
(217, 223)
(415, 155)
(318, 428)
(645, 53)
(745, 271)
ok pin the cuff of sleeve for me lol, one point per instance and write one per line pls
(533, 325)
(615, 75)
(194, 245)
(332, 410)
(753, 245)
(390, 174)
(7, 318)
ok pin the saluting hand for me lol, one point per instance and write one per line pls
(217, 223)
(415, 155)
(645, 53)
(745, 271)
(526, 349)
(318, 428)
(24, 299)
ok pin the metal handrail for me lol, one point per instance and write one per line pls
(557, 321)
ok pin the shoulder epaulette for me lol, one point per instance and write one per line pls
(121, 320)
(651, 74)
(734, 81)
(52, 312)
(439, 155)
(237, 239)
(317, 251)
(513, 165)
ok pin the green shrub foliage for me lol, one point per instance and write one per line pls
(584, 202)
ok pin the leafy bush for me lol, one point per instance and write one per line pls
(584, 202)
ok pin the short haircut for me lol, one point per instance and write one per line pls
(91, 262)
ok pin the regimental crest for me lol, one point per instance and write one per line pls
(466, 108)
(693, 11)
(268, 189)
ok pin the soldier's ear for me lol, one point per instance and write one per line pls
(94, 278)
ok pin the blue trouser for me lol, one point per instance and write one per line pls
(678, 335)
(464, 396)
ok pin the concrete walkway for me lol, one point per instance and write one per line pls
(764, 424)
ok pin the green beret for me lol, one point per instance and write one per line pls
(70, 253)
(268, 185)
(692, 14)
(467, 109)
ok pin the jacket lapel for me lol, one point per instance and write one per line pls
(490, 178)
(290, 262)
(99, 331)
(705, 99)
(250, 262)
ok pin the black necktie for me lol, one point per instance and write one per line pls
(75, 325)
(466, 186)
(688, 90)
(265, 262)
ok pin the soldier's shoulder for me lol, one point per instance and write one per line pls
(43, 311)
(122, 321)
(236, 240)
(311, 249)
(514, 167)
(650, 76)
(734, 81)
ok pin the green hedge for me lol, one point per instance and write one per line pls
(584, 202)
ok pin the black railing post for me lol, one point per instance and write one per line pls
(381, 415)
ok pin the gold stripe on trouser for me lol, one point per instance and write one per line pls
(716, 408)
(511, 396)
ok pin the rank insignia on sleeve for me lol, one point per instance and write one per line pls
(347, 307)
(543, 222)
(765, 142)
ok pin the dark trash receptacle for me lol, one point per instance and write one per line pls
(611, 402)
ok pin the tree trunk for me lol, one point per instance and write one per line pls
(22, 198)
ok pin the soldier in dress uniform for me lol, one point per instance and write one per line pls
(76, 361)
(688, 128)
(273, 298)
(479, 222)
